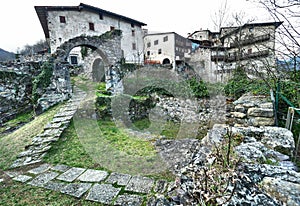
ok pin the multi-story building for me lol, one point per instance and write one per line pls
(61, 23)
(166, 48)
(251, 46)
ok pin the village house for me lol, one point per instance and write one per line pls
(61, 23)
(250, 46)
(168, 48)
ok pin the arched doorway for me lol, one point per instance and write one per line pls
(98, 70)
(166, 61)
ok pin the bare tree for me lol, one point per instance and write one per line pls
(220, 17)
(288, 35)
(40, 46)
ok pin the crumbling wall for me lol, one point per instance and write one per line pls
(15, 91)
(253, 110)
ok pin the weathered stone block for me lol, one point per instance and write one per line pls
(239, 115)
(261, 121)
(260, 112)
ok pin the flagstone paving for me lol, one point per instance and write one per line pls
(95, 185)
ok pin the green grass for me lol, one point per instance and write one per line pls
(69, 151)
(14, 143)
(20, 119)
(123, 142)
(15, 193)
(171, 129)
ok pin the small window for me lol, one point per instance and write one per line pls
(132, 25)
(74, 60)
(62, 19)
(165, 38)
(101, 16)
(156, 42)
(159, 51)
(132, 33)
(133, 46)
(148, 53)
(249, 51)
(91, 26)
(112, 28)
(149, 44)
(251, 29)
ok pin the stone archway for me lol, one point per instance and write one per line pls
(166, 61)
(107, 46)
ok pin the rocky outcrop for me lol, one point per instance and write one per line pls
(261, 176)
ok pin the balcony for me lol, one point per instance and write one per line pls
(218, 57)
(251, 40)
(245, 56)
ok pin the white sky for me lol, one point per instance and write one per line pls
(20, 25)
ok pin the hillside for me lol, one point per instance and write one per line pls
(6, 56)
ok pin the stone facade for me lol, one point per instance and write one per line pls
(250, 46)
(61, 23)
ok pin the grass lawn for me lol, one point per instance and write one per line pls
(15, 193)
(14, 143)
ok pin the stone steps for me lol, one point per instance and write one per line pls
(36, 150)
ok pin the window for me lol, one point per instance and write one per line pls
(149, 44)
(132, 33)
(251, 29)
(165, 38)
(133, 46)
(132, 25)
(62, 19)
(159, 51)
(148, 53)
(249, 51)
(112, 28)
(91, 26)
(74, 60)
(156, 42)
(101, 16)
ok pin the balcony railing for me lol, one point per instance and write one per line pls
(251, 40)
(242, 56)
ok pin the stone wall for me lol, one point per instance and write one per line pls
(252, 110)
(16, 89)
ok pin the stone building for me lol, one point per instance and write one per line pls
(166, 48)
(61, 23)
(217, 54)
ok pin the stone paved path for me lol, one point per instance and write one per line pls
(93, 185)
(96, 185)
(41, 143)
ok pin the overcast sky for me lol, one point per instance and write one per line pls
(20, 25)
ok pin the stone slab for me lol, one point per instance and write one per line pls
(129, 200)
(55, 186)
(71, 174)
(118, 178)
(93, 176)
(76, 189)
(160, 186)
(60, 168)
(103, 193)
(22, 178)
(38, 170)
(43, 178)
(140, 184)
(12, 174)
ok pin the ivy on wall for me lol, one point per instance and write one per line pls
(42, 81)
